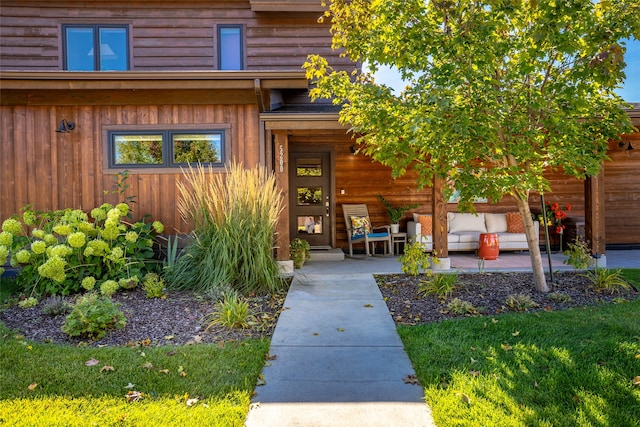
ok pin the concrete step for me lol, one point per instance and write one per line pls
(327, 255)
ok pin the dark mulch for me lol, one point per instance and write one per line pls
(178, 319)
(488, 293)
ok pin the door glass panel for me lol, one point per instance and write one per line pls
(310, 224)
(309, 167)
(309, 196)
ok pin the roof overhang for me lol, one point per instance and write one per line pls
(286, 5)
(132, 87)
(293, 121)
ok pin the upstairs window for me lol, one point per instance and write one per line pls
(165, 148)
(95, 47)
(230, 52)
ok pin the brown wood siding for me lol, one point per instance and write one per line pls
(52, 170)
(164, 35)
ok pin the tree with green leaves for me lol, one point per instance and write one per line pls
(498, 91)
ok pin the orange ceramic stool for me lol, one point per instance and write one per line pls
(488, 246)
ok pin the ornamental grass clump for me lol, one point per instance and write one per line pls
(66, 251)
(234, 217)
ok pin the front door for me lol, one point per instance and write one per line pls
(310, 197)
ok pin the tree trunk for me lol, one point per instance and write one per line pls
(534, 248)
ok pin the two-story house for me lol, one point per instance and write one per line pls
(89, 89)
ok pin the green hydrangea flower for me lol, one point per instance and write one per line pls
(50, 239)
(38, 247)
(123, 208)
(6, 238)
(110, 233)
(109, 287)
(99, 247)
(158, 226)
(114, 214)
(131, 236)
(23, 256)
(98, 214)
(86, 227)
(106, 207)
(77, 239)
(4, 253)
(62, 229)
(53, 269)
(88, 251)
(37, 233)
(111, 222)
(12, 226)
(1, 271)
(29, 217)
(60, 251)
(116, 254)
(89, 283)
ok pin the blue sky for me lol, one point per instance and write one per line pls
(630, 91)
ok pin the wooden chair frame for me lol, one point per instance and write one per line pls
(360, 210)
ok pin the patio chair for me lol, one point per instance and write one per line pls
(360, 230)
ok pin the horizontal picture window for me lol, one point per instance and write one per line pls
(166, 149)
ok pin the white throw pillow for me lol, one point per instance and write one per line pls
(496, 222)
(466, 222)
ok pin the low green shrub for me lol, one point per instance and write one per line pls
(520, 302)
(92, 316)
(153, 285)
(28, 302)
(579, 255)
(415, 259)
(231, 312)
(56, 306)
(558, 297)
(441, 285)
(605, 280)
(458, 306)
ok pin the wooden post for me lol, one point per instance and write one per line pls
(281, 168)
(439, 218)
(594, 213)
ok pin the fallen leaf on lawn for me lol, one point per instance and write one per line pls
(261, 381)
(129, 386)
(32, 386)
(183, 374)
(143, 354)
(636, 381)
(134, 396)
(29, 347)
(340, 329)
(466, 399)
(506, 347)
(147, 365)
(494, 320)
(516, 333)
(638, 356)
(91, 362)
(368, 305)
(270, 357)
(473, 360)
(535, 383)
(164, 371)
(191, 402)
(474, 373)
(411, 379)
(145, 342)
(107, 368)
(171, 353)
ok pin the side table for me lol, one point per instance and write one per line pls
(396, 240)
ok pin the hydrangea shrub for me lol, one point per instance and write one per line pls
(67, 251)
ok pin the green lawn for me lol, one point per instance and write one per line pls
(568, 368)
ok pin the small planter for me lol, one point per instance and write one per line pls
(300, 251)
(395, 228)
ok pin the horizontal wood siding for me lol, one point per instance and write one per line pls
(164, 35)
(50, 170)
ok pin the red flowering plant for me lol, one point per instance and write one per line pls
(555, 215)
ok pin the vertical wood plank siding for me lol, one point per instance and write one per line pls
(52, 170)
(165, 35)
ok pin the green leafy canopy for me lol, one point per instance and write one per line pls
(497, 93)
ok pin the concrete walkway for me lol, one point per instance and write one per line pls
(338, 360)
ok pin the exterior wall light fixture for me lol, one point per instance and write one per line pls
(65, 126)
(622, 144)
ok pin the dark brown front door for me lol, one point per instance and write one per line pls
(310, 197)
